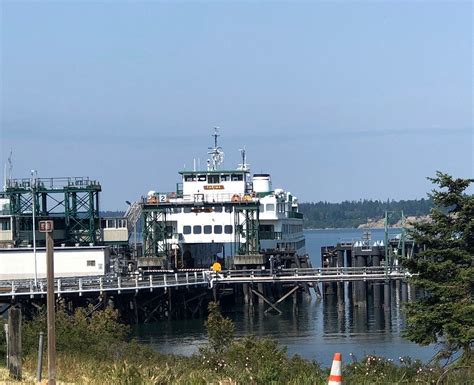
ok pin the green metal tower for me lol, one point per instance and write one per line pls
(71, 202)
(246, 225)
(155, 231)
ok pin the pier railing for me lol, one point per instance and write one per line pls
(83, 285)
(98, 285)
(301, 275)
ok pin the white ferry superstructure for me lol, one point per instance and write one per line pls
(217, 207)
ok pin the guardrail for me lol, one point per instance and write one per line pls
(51, 183)
(297, 275)
(82, 285)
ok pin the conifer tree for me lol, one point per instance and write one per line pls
(444, 269)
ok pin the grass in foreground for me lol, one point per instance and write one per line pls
(93, 349)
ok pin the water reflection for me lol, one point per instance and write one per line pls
(319, 328)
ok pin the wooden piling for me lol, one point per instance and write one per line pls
(261, 290)
(386, 295)
(14, 342)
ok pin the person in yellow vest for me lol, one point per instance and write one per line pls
(216, 267)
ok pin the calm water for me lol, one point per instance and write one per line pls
(316, 332)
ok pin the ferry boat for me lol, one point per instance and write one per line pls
(222, 214)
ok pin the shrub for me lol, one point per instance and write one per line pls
(220, 330)
(84, 331)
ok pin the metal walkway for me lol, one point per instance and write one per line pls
(99, 285)
(83, 285)
(301, 275)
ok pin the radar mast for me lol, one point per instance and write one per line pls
(244, 166)
(216, 153)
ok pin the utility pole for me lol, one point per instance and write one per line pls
(34, 175)
(47, 227)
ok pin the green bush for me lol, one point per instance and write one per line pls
(93, 348)
(84, 331)
(220, 330)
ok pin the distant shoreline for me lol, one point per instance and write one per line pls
(373, 224)
(350, 228)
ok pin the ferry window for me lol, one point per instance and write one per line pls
(176, 210)
(187, 209)
(262, 208)
(228, 229)
(237, 177)
(5, 225)
(208, 229)
(213, 178)
(225, 178)
(201, 178)
(111, 223)
(266, 228)
(218, 209)
(189, 178)
(186, 229)
(228, 209)
(270, 207)
(217, 229)
(197, 229)
(90, 263)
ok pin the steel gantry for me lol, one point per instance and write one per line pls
(156, 234)
(159, 237)
(246, 224)
(71, 202)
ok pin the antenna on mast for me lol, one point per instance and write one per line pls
(215, 135)
(243, 166)
(8, 171)
(216, 152)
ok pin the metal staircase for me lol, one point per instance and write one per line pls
(132, 214)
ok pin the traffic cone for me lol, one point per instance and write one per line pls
(335, 378)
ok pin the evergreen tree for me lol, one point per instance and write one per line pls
(445, 271)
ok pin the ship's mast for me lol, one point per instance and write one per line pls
(243, 166)
(8, 172)
(216, 153)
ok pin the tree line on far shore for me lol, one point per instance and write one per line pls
(347, 214)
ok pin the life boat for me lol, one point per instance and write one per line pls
(247, 198)
(235, 198)
(152, 200)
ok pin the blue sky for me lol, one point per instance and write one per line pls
(337, 100)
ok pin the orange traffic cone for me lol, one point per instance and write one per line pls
(335, 378)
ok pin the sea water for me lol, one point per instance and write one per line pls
(316, 332)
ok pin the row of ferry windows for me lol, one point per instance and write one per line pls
(271, 207)
(214, 178)
(291, 229)
(198, 229)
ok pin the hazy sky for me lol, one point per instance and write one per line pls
(337, 100)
